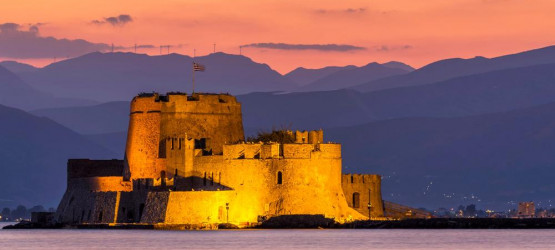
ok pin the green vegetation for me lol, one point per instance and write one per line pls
(276, 135)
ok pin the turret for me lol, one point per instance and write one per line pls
(213, 119)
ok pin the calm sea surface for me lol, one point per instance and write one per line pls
(277, 239)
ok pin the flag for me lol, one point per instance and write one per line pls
(198, 67)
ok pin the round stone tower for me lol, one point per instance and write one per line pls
(211, 119)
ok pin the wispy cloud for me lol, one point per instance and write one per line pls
(24, 41)
(319, 47)
(341, 11)
(386, 48)
(114, 20)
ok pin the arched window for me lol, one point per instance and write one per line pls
(356, 200)
(352, 179)
(279, 178)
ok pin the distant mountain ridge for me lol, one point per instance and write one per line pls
(491, 92)
(352, 76)
(304, 76)
(337, 77)
(34, 156)
(97, 119)
(17, 67)
(488, 160)
(456, 67)
(120, 76)
(14, 92)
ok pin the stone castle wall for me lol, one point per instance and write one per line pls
(154, 118)
(363, 193)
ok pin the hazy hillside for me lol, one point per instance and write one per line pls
(493, 91)
(16, 93)
(120, 76)
(34, 155)
(304, 110)
(260, 110)
(455, 67)
(115, 141)
(303, 76)
(432, 162)
(98, 119)
(352, 76)
(17, 67)
(490, 92)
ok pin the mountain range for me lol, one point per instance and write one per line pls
(14, 92)
(456, 67)
(489, 160)
(332, 78)
(17, 67)
(34, 155)
(120, 76)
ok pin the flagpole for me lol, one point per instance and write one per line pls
(194, 55)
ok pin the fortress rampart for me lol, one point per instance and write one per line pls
(363, 193)
(186, 162)
(212, 120)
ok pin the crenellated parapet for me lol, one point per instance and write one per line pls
(311, 137)
(284, 151)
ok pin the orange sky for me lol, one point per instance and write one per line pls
(414, 32)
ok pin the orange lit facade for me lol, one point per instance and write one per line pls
(187, 163)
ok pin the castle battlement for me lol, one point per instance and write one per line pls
(283, 151)
(181, 102)
(360, 178)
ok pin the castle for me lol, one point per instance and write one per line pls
(187, 163)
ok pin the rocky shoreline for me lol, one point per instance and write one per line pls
(318, 221)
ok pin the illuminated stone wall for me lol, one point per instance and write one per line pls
(83, 206)
(363, 193)
(154, 118)
(310, 184)
(187, 163)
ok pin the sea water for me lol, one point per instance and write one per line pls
(335, 239)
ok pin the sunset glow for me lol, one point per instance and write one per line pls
(414, 32)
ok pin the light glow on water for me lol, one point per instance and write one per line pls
(278, 239)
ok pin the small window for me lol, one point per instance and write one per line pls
(141, 209)
(352, 179)
(204, 182)
(279, 178)
(356, 200)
